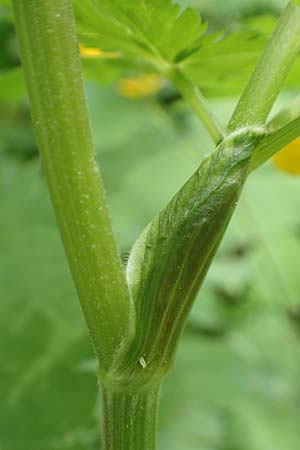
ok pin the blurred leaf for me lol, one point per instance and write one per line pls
(5, 2)
(6, 10)
(234, 390)
(47, 386)
(12, 85)
(219, 63)
(275, 267)
(234, 393)
(223, 64)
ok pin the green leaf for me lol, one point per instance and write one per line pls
(240, 388)
(219, 63)
(136, 28)
(6, 10)
(48, 384)
(283, 258)
(12, 85)
(224, 61)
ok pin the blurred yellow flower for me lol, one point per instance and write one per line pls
(127, 87)
(140, 87)
(288, 159)
(92, 52)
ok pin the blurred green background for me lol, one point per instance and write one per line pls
(236, 381)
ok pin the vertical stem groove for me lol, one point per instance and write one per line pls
(129, 419)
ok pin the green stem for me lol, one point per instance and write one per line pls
(275, 142)
(199, 103)
(270, 73)
(129, 419)
(289, 113)
(49, 50)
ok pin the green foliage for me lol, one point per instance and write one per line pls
(5, 3)
(168, 263)
(136, 28)
(6, 10)
(220, 63)
(238, 360)
(46, 385)
(12, 85)
(221, 66)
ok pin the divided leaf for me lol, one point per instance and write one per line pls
(156, 36)
(159, 31)
(224, 61)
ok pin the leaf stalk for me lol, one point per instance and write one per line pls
(199, 103)
(270, 73)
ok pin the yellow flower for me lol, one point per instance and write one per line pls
(128, 87)
(92, 52)
(288, 159)
(140, 87)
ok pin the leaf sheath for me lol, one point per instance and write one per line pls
(171, 257)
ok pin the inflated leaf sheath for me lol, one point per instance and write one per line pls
(171, 257)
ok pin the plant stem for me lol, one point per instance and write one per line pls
(275, 142)
(199, 103)
(129, 419)
(289, 113)
(270, 73)
(49, 50)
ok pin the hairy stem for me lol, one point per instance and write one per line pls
(129, 419)
(199, 103)
(49, 50)
(270, 73)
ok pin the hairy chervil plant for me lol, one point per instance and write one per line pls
(135, 319)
